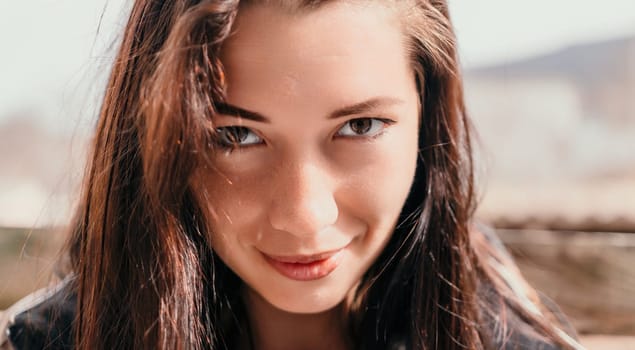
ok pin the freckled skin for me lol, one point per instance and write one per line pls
(305, 189)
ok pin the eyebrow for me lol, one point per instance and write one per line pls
(357, 108)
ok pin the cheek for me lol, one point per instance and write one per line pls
(234, 204)
(382, 181)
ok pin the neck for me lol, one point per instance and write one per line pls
(272, 328)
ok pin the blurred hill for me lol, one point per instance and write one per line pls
(558, 134)
(603, 73)
(589, 62)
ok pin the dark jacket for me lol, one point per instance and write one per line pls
(41, 320)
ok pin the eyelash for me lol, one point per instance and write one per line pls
(224, 142)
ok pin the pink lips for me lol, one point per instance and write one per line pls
(305, 267)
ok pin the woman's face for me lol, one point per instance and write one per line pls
(321, 125)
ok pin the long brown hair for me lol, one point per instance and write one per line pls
(146, 275)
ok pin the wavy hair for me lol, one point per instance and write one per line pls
(146, 275)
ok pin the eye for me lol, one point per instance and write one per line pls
(236, 136)
(367, 127)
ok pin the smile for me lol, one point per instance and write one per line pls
(306, 267)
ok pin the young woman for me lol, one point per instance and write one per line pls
(290, 174)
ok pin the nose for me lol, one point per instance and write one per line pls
(302, 201)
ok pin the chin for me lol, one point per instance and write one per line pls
(305, 300)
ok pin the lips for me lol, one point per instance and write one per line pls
(304, 259)
(306, 267)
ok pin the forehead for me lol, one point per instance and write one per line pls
(337, 52)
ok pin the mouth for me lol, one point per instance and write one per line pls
(306, 267)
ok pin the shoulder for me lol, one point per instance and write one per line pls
(43, 318)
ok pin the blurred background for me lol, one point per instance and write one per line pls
(550, 86)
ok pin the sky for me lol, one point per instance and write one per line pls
(56, 53)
